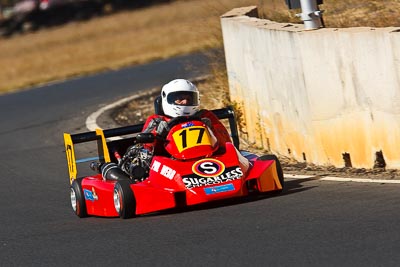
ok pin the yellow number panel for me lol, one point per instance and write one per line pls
(191, 137)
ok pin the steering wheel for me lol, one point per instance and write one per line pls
(181, 119)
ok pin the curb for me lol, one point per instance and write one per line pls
(92, 119)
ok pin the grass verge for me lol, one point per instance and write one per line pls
(112, 42)
(157, 32)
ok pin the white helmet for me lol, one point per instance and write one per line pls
(180, 98)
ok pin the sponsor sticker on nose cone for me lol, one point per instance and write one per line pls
(208, 167)
(230, 174)
(219, 189)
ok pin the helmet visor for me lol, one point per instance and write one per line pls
(183, 98)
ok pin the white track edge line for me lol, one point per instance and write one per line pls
(91, 120)
(298, 176)
(359, 180)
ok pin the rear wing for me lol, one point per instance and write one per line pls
(104, 146)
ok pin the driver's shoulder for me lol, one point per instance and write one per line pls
(206, 113)
(203, 113)
(156, 117)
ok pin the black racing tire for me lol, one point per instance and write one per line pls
(278, 168)
(78, 199)
(124, 200)
(252, 187)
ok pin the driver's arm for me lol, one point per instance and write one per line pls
(151, 123)
(156, 125)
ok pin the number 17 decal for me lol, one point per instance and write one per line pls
(191, 137)
(183, 134)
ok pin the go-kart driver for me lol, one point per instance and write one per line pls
(179, 98)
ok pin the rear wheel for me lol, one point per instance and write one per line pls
(278, 167)
(124, 200)
(77, 198)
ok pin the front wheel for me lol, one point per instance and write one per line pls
(124, 200)
(77, 198)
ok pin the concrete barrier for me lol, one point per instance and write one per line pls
(327, 96)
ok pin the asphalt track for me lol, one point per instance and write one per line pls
(313, 223)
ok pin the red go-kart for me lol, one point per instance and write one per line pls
(194, 170)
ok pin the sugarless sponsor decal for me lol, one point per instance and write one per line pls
(90, 195)
(219, 189)
(208, 167)
(231, 174)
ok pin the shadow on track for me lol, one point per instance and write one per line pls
(291, 187)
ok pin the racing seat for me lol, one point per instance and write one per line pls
(158, 106)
